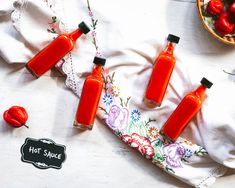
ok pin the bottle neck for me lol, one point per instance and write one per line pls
(200, 91)
(170, 48)
(97, 70)
(75, 34)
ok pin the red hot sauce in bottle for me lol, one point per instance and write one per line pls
(185, 111)
(161, 74)
(51, 54)
(90, 97)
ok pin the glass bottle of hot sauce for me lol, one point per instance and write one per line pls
(162, 70)
(90, 96)
(51, 54)
(185, 111)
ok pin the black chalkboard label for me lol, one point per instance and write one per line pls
(43, 153)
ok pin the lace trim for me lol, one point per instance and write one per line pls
(67, 65)
(214, 173)
(16, 14)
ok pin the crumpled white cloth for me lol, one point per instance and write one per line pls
(131, 34)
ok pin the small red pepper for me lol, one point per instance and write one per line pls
(223, 24)
(232, 9)
(215, 7)
(16, 116)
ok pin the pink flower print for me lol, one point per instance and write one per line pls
(54, 25)
(140, 143)
(127, 139)
(98, 54)
(93, 33)
(106, 71)
(117, 118)
(90, 13)
(109, 87)
(174, 153)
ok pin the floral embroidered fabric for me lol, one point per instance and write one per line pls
(141, 132)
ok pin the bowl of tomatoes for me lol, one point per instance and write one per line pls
(218, 17)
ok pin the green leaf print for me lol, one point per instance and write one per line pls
(170, 170)
(142, 129)
(138, 128)
(200, 152)
(159, 156)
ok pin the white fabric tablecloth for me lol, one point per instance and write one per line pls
(122, 27)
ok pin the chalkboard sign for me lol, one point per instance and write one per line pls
(43, 153)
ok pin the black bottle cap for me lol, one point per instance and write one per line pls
(99, 61)
(84, 28)
(173, 38)
(206, 82)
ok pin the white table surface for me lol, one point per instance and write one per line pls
(96, 158)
